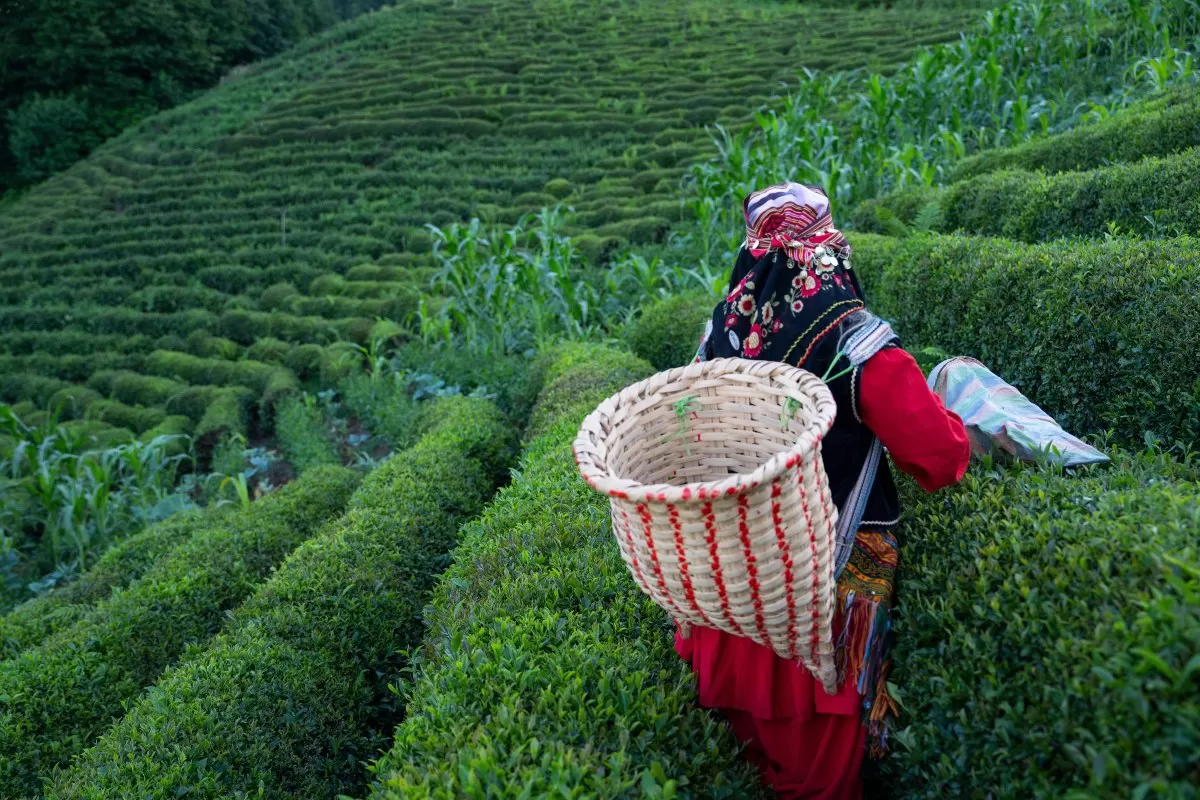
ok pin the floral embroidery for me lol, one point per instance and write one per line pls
(754, 341)
(809, 280)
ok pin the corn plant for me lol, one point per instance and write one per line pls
(62, 502)
(515, 288)
(1032, 68)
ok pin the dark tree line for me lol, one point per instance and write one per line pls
(75, 72)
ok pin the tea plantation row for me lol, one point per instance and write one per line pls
(1136, 172)
(1044, 614)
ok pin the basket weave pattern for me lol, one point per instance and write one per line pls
(720, 502)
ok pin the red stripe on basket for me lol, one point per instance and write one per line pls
(648, 528)
(710, 530)
(637, 567)
(752, 570)
(785, 550)
(815, 639)
(684, 577)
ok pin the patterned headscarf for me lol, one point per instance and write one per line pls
(792, 284)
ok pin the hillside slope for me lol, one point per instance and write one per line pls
(291, 202)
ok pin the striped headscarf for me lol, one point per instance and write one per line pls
(792, 284)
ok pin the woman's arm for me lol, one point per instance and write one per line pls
(923, 438)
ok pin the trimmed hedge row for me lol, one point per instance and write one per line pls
(1049, 634)
(667, 332)
(289, 700)
(1035, 207)
(122, 564)
(1100, 334)
(304, 435)
(58, 697)
(547, 672)
(270, 382)
(1157, 127)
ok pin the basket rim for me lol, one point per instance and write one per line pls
(601, 479)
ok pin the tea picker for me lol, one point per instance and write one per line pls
(751, 501)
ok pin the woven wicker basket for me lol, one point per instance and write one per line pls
(720, 501)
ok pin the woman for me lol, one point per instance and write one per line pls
(794, 298)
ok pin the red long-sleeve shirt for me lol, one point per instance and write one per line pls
(923, 437)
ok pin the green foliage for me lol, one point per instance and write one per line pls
(384, 406)
(667, 332)
(1049, 630)
(1157, 127)
(122, 564)
(59, 696)
(227, 413)
(314, 640)
(862, 134)
(509, 291)
(75, 74)
(63, 500)
(47, 134)
(1154, 198)
(232, 219)
(537, 616)
(1100, 334)
(303, 433)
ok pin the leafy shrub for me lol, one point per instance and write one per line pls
(304, 434)
(227, 413)
(278, 297)
(1037, 208)
(138, 419)
(1156, 127)
(666, 332)
(570, 375)
(1100, 334)
(305, 360)
(313, 639)
(122, 564)
(59, 696)
(268, 350)
(47, 134)
(1154, 198)
(73, 402)
(537, 620)
(1047, 624)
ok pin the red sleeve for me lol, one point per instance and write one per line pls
(923, 438)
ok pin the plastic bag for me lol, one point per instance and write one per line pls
(999, 419)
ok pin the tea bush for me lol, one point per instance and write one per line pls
(1157, 127)
(303, 433)
(1048, 634)
(314, 640)
(546, 671)
(59, 696)
(666, 332)
(122, 564)
(1100, 334)
(1152, 198)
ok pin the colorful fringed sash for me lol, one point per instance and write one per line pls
(865, 592)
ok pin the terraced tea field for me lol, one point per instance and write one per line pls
(286, 209)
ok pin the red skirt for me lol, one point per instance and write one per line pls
(805, 742)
